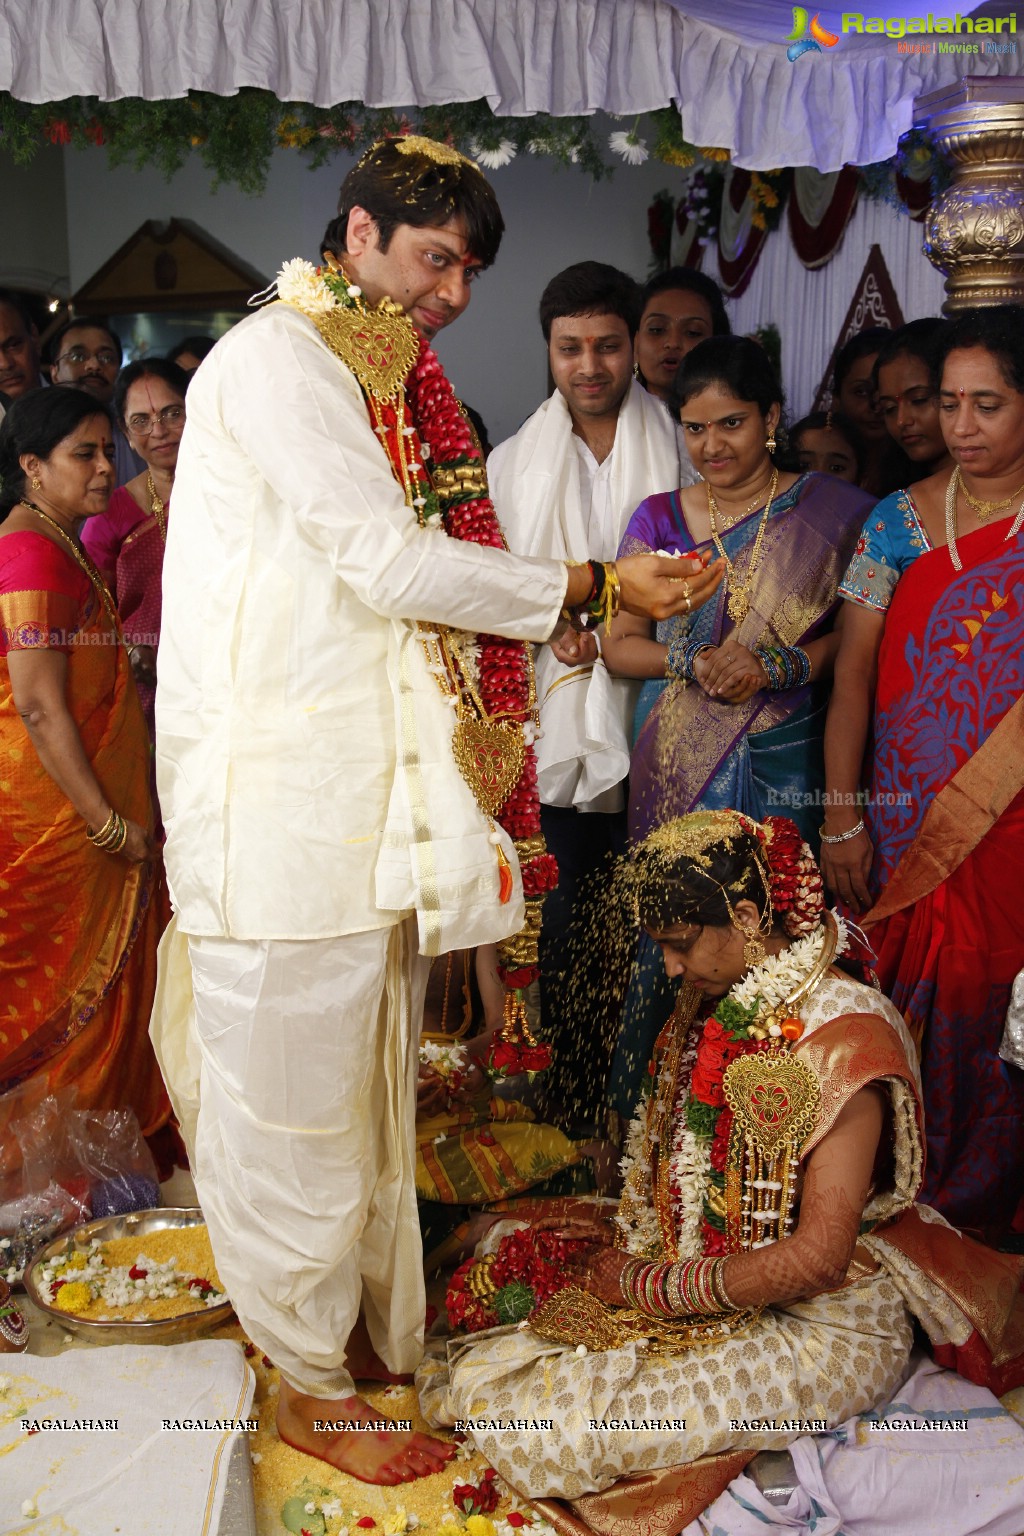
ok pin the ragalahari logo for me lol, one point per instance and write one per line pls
(800, 43)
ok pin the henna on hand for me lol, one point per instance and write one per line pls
(600, 1273)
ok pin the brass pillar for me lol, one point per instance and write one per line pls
(974, 231)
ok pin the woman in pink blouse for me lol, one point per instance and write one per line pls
(127, 541)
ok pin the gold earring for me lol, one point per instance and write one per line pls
(753, 948)
(770, 440)
(37, 484)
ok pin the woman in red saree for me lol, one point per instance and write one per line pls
(81, 893)
(126, 542)
(936, 596)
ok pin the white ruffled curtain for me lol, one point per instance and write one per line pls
(726, 64)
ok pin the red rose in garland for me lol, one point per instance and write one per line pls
(716, 1050)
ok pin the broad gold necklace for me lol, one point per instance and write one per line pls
(739, 598)
(985, 509)
(82, 559)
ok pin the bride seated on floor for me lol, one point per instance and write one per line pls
(760, 1278)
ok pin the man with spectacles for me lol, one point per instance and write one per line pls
(87, 355)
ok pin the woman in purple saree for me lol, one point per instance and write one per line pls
(728, 727)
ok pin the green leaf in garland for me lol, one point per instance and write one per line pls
(734, 1016)
(514, 1302)
(713, 1219)
(702, 1118)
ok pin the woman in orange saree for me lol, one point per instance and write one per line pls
(81, 892)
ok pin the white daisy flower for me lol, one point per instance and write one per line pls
(493, 159)
(632, 148)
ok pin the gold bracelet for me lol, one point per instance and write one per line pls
(612, 594)
(112, 836)
(718, 1286)
(115, 840)
(100, 836)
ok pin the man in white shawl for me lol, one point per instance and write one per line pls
(565, 487)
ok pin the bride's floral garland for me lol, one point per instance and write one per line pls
(424, 421)
(688, 1103)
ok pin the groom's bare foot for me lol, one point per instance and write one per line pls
(386, 1456)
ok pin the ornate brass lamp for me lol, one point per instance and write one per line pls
(974, 231)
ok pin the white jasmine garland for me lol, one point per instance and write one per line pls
(779, 975)
(299, 283)
(690, 1179)
(640, 1233)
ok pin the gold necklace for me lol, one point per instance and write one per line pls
(730, 519)
(157, 507)
(956, 483)
(83, 560)
(739, 598)
(985, 509)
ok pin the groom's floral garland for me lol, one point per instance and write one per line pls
(689, 1199)
(422, 422)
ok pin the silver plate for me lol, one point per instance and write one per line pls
(164, 1330)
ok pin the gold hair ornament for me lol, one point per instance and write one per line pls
(431, 149)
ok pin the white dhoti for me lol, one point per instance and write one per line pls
(292, 1067)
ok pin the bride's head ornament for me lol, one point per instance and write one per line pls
(694, 869)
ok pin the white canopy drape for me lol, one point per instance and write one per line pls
(725, 64)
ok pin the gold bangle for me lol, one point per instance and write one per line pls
(612, 594)
(100, 836)
(112, 836)
(718, 1286)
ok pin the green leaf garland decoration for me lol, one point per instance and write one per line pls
(514, 1302)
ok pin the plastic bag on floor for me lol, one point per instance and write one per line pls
(116, 1161)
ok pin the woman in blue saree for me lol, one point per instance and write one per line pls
(731, 713)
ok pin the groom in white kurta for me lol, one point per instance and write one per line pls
(320, 839)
